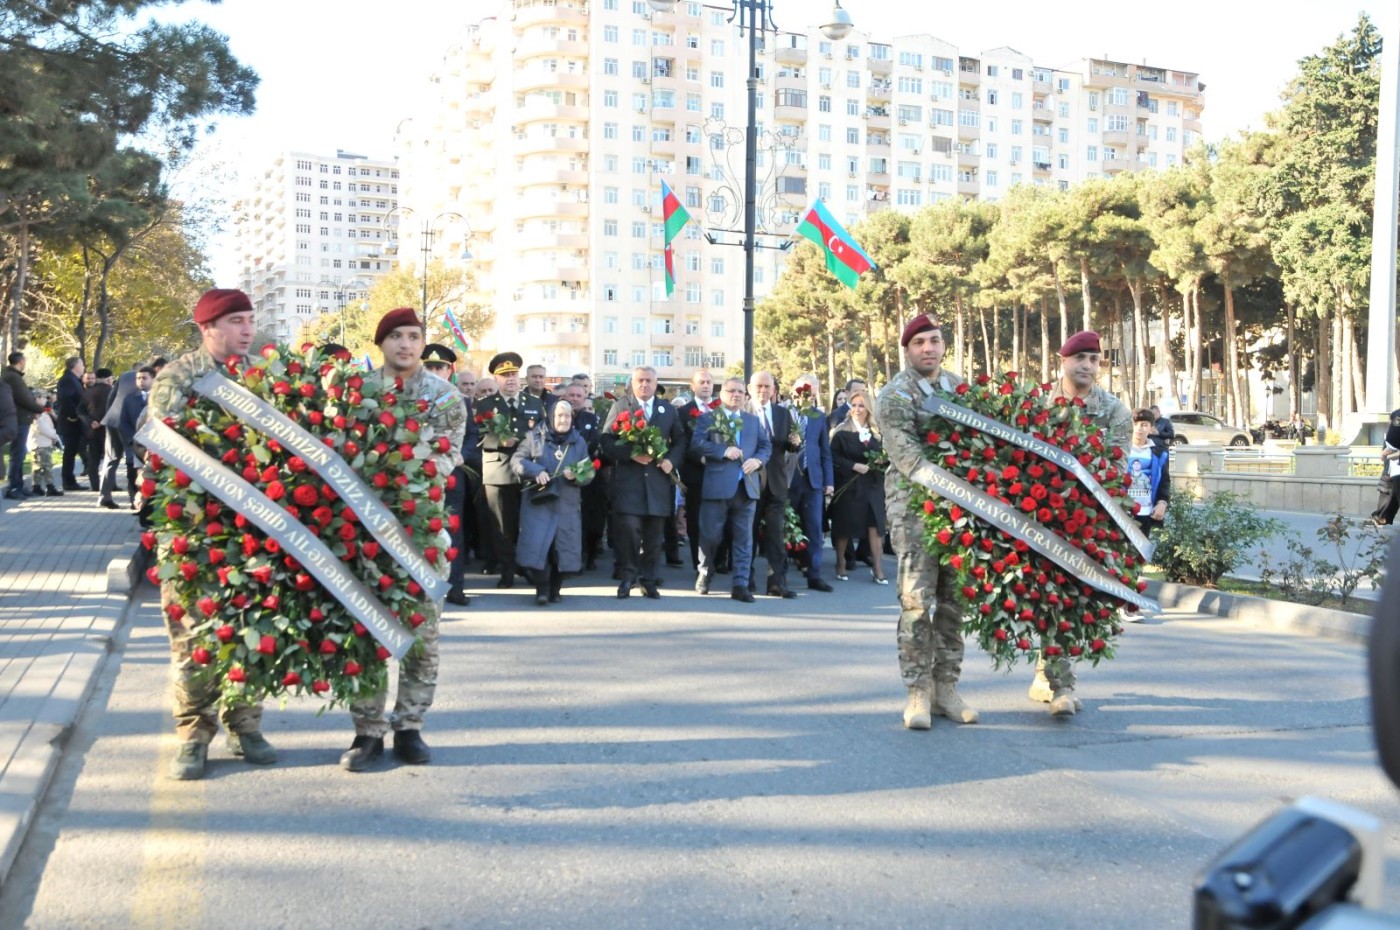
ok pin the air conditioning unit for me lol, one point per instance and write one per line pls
(917, 152)
(645, 79)
(646, 14)
(827, 56)
(826, 87)
(947, 72)
(918, 67)
(851, 174)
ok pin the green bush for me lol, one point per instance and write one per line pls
(1200, 542)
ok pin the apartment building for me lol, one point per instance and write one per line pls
(550, 127)
(311, 232)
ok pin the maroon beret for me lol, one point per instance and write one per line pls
(1087, 341)
(403, 316)
(221, 302)
(920, 324)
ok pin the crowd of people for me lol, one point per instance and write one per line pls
(551, 481)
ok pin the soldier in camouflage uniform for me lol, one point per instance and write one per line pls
(400, 337)
(930, 621)
(225, 319)
(1079, 372)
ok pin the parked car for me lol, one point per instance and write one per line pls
(1195, 427)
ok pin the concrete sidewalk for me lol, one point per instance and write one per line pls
(57, 620)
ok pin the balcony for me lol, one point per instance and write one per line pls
(1040, 87)
(969, 188)
(1191, 125)
(1115, 165)
(878, 92)
(528, 79)
(875, 206)
(529, 175)
(1115, 137)
(558, 340)
(969, 159)
(535, 111)
(969, 78)
(544, 13)
(530, 207)
(553, 241)
(1043, 114)
(789, 55)
(666, 148)
(1042, 168)
(536, 45)
(878, 177)
(876, 141)
(882, 66)
(968, 133)
(786, 112)
(530, 144)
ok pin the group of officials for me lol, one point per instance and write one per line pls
(540, 474)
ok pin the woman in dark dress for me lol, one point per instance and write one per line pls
(859, 505)
(550, 463)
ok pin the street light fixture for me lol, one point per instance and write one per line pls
(342, 289)
(755, 17)
(428, 230)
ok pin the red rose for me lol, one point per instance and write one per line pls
(452, 553)
(240, 600)
(214, 529)
(406, 451)
(1001, 635)
(956, 561)
(216, 556)
(148, 488)
(431, 553)
(320, 686)
(352, 669)
(928, 506)
(224, 571)
(174, 511)
(272, 602)
(945, 536)
(307, 390)
(305, 582)
(411, 425)
(291, 679)
(1097, 645)
(327, 647)
(224, 633)
(281, 387)
(443, 445)
(430, 468)
(410, 506)
(305, 495)
(388, 419)
(234, 433)
(381, 653)
(434, 493)
(267, 645)
(414, 588)
(262, 574)
(323, 515)
(961, 389)
(454, 522)
(352, 448)
(276, 491)
(201, 656)
(385, 582)
(370, 549)
(189, 570)
(316, 615)
(1053, 650)
(416, 620)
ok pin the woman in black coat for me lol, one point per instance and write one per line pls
(859, 504)
(548, 463)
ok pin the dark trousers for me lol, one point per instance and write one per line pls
(694, 487)
(116, 454)
(18, 449)
(96, 447)
(768, 538)
(74, 449)
(504, 503)
(639, 541)
(808, 501)
(1389, 501)
(736, 516)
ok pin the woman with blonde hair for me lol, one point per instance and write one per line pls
(859, 461)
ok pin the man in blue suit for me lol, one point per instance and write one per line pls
(812, 480)
(731, 486)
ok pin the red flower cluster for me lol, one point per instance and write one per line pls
(632, 428)
(264, 626)
(1017, 600)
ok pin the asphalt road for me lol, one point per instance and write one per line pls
(701, 763)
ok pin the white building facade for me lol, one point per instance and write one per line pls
(550, 127)
(311, 233)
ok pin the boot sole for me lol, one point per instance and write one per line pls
(919, 722)
(960, 716)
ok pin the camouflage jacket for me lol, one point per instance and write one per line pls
(174, 385)
(446, 414)
(1111, 415)
(903, 425)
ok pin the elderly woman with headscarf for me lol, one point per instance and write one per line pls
(553, 463)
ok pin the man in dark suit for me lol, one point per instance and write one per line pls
(813, 480)
(92, 410)
(439, 360)
(731, 486)
(702, 386)
(643, 494)
(523, 410)
(68, 413)
(130, 420)
(116, 449)
(594, 496)
(782, 430)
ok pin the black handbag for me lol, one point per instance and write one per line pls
(542, 494)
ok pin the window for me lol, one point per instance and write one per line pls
(972, 118)
(639, 229)
(610, 357)
(1171, 133)
(991, 151)
(716, 79)
(661, 326)
(609, 33)
(1062, 136)
(717, 48)
(1171, 108)
(853, 135)
(1118, 96)
(824, 104)
(639, 133)
(692, 292)
(610, 66)
(993, 70)
(912, 59)
(911, 85)
(909, 198)
(610, 227)
(1115, 122)
(610, 98)
(1092, 153)
(991, 97)
(1017, 100)
(661, 358)
(1016, 127)
(941, 117)
(853, 79)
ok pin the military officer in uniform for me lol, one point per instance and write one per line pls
(400, 338)
(523, 410)
(930, 619)
(440, 360)
(1079, 373)
(225, 320)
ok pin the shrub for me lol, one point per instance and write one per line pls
(1200, 542)
(1309, 578)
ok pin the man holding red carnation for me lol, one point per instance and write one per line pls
(1079, 374)
(930, 618)
(401, 337)
(225, 320)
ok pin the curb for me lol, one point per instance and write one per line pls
(1282, 615)
(25, 781)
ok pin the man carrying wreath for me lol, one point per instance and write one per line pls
(400, 337)
(930, 618)
(225, 320)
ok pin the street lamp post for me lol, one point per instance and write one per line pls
(428, 230)
(755, 16)
(341, 289)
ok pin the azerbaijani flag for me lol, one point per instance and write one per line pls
(844, 258)
(456, 330)
(675, 217)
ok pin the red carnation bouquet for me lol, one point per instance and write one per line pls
(263, 626)
(497, 424)
(644, 439)
(1018, 601)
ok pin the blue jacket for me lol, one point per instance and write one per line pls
(722, 475)
(1160, 473)
(815, 454)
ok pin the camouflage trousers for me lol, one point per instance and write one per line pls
(197, 711)
(417, 682)
(43, 468)
(930, 621)
(1057, 670)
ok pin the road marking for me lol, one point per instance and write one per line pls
(170, 889)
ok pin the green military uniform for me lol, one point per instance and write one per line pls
(930, 620)
(446, 416)
(196, 692)
(502, 486)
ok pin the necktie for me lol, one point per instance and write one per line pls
(767, 423)
(512, 404)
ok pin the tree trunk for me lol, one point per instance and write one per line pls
(21, 274)
(1144, 365)
(1196, 354)
(1016, 337)
(1064, 307)
(1295, 386)
(1341, 373)
(996, 342)
(1358, 374)
(961, 332)
(1238, 413)
(986, 342)
(1084, 289)
(1322, 378)
(869, 352)
(830, 362)
(1168, 355)
(1044, 341)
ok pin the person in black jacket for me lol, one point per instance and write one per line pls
(786, 436)
(69, 419)
(9, 421)
(26, 409)
(1389, 502)
(92, 410)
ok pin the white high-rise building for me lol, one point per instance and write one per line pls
(550, 127)
(311, 233)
